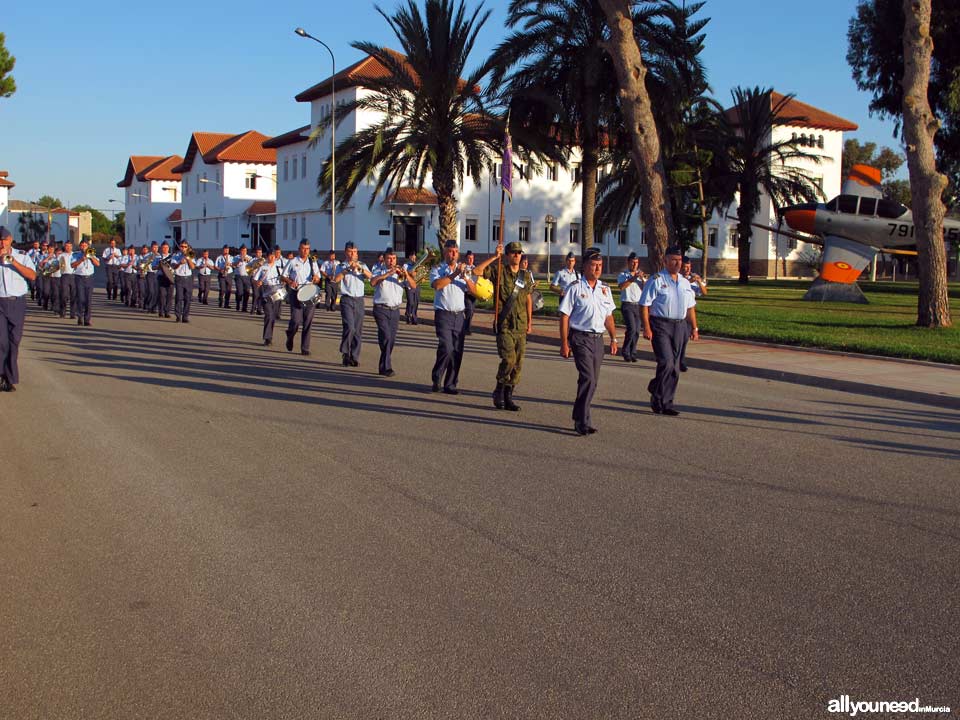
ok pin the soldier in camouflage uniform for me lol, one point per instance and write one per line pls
(513, 324)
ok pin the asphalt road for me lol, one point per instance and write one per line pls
(195, 526)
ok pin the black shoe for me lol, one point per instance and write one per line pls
(591, 429)
(451, 391)
(581, 429)
(435, 387)
(627, 358)
(656, 408)
(683, 367)
(633, 359)
(354, 363)
(304, 352)
(185, 321)
(178, 318)
(670, 412)
(86, 323)
(268, 342)
(498, 396)
(508, 402)
(387, 373)
(346, 361)
(289, 344)
(79, 321)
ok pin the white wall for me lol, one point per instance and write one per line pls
(4, 214)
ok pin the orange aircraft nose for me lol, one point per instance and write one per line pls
(802, 219)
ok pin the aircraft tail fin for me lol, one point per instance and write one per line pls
(864, 181)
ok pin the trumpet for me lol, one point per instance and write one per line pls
(90, 252)
(255, 265)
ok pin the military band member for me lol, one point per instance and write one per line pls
(631, 283)
(36, 286)
(128, 277)
(350, 274)
(413, 293)
(267, 279)
(142, 285)
(16, 271)
(224, 265)
(50, 266)
(242, 285)
(565, 276)
(586, 310)
(152, 283)
(164, 286)
(450, 283)
(330, 288)
(205, 269)
(256, 307)
(183, 267)
(667, 305)
(83, 269)
(514, 321)
(699, 286)
(300, 271)
(469, 300)
(68, 291)
(111, 257)
(388, 285)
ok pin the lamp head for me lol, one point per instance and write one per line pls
(301, 32)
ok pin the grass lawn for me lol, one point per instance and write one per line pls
(773, 311)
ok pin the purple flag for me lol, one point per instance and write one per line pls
(506, 169)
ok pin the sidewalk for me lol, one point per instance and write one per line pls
(911, 380)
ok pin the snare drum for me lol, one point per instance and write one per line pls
(275, 293)
(537, 297)
(308, 294)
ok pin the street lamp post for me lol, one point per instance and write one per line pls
(333, 137)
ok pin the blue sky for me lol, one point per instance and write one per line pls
(98, 82)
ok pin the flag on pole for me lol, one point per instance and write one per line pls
(506, 169)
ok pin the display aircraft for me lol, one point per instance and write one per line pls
(855, 226)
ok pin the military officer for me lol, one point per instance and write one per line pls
(388, 287)
(183, 267)
(242, 284)
(224, 265)
(565, 276)
(469, 300)
(205, 269)
(36, 287)
(667, 305)
(631, 283)
(152, 281)
(111, 257)
(83, 269)
(50, 264)
(68, 292)
(329, 270)
(586, 310)
(16, 271)
(256, 307)
(699, 286)
(351, 275)
(128, 277)
(450, 283)
(413, 293)
(300, 271)
(164, 285)
(514, 321)
(267, 278)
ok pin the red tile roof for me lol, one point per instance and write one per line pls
(351, 76)
(288, 138)
(3, 180)
(262, 207)
(223, 147)
(809, 116)
(163, 170)
(150, 167)
(175, 216)
(411, 196)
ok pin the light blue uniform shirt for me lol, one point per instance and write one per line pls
(565, 278)
(269, 275)
(182, 270)
(224, 264)
(204, 266)
(631, 293)
(12, 283)
(666, 298)
(50, 259)
(112, 256)
(389, 291)
(240, 263)
(128, 264)
(329, 268)
(84, 269)
(65, 268)
(301, 271)
(587, 307)
(450, 298)
(351, 284)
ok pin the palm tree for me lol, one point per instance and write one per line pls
(558, 77)
(433, 121)
(759, 165)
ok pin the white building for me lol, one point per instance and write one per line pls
(229, 190)
(5, 186)
(152, 194)
(545, 214)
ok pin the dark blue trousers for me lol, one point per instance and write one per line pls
(450, 338)
(668, 339)
(587, 351)
(351, 339)
(184, 296)
(83, 289)
(388, 320)
(631, 319)
(13, 312)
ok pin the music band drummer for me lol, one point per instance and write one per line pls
(351, 274)
(299, 272)
(267, 279)
(388, 288)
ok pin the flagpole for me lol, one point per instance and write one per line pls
(496, 295)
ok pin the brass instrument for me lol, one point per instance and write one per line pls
(190, 252)
(255, 265)
(144, 264)
(50, 267)
(314, 256)
(424, 264)
(90, 252)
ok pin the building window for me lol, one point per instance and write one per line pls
(732, 237)
(712, 237)
(286, 170)
(496, 231)
(523, 231)
(550, 232)
(198, 183)
(820, 142)
(303, 225)
(523, 172)
(205, 183)
(216, 230)
(286, 228)
(598, 238)
(251, 182)
(294, 175)
(173, 194)
(497, 171)
(470, 230)
(623, 235)
(204, 210)
(552, 172)
(303, 165)
(575, 233)
(575, 172)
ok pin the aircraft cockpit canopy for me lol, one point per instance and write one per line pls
(871, 207)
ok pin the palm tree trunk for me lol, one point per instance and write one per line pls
(443, 185)
(647, 156)
(927, 185)
(744, 234)
(588, 194)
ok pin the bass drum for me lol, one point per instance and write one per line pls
(537, 297)
(308, 294)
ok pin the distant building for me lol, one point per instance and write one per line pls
(152, 195)
(229, 190)
(56, 225)
(5, 186)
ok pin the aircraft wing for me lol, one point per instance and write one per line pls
(844, 260)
